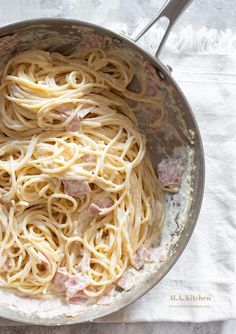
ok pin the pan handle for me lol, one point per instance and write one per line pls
(172, 11)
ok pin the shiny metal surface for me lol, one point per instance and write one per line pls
(197, 176)
(172, 11)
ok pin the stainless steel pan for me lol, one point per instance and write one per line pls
(179, 134)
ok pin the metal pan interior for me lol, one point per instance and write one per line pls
(178, 136)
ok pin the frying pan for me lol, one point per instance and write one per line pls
(178, 136)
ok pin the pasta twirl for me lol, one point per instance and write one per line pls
(78, 194)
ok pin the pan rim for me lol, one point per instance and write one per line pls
(5, 30)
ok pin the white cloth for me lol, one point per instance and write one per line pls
(207, 267)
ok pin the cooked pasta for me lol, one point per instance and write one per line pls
(79, 199)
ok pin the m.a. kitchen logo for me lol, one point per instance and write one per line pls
(190, 300)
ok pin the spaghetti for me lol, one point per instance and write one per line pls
(78, 195)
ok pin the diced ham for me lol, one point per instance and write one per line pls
(80, 298)
(107, 296)
(138, 263)
(127, 281)
(76, 188)
(105, 300)
(75, 125)
(97, 205)
(170, 172)
(93, 210)
(75, 284)
(142, 256)
(61, 277)
(77, 300)
(66, 110)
